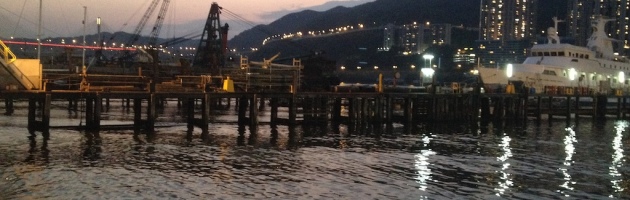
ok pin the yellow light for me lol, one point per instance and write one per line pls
(509, 70)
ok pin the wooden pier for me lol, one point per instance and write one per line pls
(307, 108)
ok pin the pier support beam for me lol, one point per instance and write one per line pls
(601, 109)
(93, 113)
(253, 112)
(43, 124)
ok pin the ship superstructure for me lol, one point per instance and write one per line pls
(595, 67)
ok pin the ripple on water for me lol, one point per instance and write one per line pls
(435, 162)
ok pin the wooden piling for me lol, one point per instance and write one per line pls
(568, 112)
(292, 110)
(205, 116)
(336, 111)
(602, 101)
(550, 108)
(538, 108)
(618, 108)
(8, 103)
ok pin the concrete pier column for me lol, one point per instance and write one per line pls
(274, 111)
(241, 106)
(253, 111)
(205, 116)
(151, 114)
(45, 125)
(292, 110)
(190, 115)
(137, 116)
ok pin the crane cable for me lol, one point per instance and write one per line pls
(29, 21)
(127, 22)
(19, 19)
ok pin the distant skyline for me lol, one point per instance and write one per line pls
(63, 18)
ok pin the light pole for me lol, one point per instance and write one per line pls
(430, 58)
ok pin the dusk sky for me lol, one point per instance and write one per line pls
(64, 17)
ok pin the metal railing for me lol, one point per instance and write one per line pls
(8, 56)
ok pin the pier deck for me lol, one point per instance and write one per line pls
(385, 108)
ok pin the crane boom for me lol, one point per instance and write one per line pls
(158, 23)
(143, 21)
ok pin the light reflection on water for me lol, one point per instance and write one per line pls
(434, 161)
(569, 148)
(422, 165)
(617, 159)
(505, 178)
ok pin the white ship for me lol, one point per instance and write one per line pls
(595, 68)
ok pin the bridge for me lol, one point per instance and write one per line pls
(18, 74)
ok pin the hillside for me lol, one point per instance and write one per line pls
(377, 13)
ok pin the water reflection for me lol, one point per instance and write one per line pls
(505, 177)
(422, 164)
(617, 157)
(33, 150)
(569, 149)
(92, 150)
(240, 139)
(274, 135)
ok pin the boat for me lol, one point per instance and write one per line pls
(555, 67)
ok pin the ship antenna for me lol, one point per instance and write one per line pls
(555, 23)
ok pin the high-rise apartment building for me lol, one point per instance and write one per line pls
(581, 12)
(507, 19)
(415, 38)
(506, 29)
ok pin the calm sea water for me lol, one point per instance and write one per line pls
(558, 159)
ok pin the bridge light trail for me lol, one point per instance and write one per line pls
(70, 46)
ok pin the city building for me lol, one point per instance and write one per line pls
(507, 29)
(465, 56)
(581, 12)
(415, 38)
(389, 39)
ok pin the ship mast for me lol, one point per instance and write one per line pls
(555, 23)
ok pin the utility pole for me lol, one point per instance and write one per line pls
(84, 19)
(39, 34)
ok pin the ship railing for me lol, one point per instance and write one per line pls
(8, 56)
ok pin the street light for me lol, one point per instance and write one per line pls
(432, 73)
(428, 57)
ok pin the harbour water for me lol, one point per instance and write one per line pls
(575, 159)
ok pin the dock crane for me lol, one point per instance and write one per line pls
(143, 21)
(152, 53)
(213, 44)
